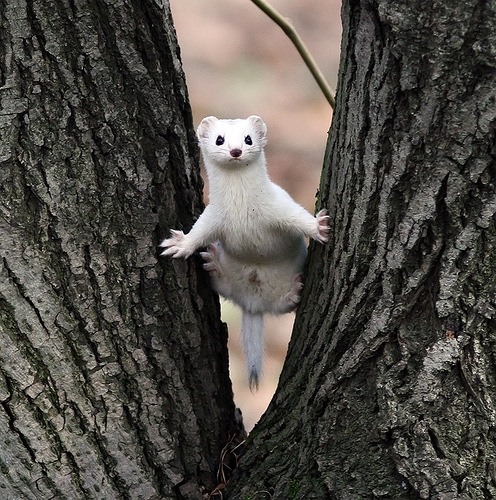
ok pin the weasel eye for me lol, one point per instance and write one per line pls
(248, 140)
(219, 141)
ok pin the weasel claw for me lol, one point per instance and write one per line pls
(323, 228)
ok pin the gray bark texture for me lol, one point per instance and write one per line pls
(114, 380)
(389, 388)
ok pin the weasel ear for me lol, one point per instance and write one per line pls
(259, 125)
(205, 125)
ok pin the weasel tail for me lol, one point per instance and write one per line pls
(252, 326)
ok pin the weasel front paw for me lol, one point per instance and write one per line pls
(323, 228)
(177, 245)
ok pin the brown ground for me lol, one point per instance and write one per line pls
(238, 63)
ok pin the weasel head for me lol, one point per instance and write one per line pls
(232, 143)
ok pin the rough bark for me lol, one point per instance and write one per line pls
(113, 366)
(389, 389)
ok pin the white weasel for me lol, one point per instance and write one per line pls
(253, 229)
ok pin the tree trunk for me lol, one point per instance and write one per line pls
(389, 389)
(113, 365)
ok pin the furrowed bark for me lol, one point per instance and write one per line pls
(389, 386)
(113, 365)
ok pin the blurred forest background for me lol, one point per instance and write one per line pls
(238, 62)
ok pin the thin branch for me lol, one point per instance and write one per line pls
(288, 28)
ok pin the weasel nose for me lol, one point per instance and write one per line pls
(236, 153)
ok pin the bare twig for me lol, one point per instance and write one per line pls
(288, 28)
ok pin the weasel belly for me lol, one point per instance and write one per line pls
(260, 285)
(261, 249)
(253, 236)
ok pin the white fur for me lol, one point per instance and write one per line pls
(252, 333)
(254, 229)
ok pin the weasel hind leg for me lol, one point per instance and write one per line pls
(212, 264)
(211, 258)
(291, 300)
